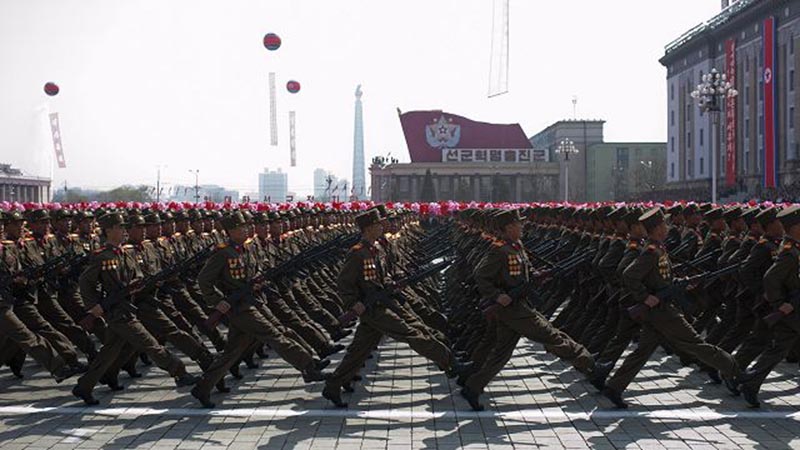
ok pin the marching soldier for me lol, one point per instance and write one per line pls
(113, 268)
(649, 278)
(504, 269)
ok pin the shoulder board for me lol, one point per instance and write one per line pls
(633, 244)
(358, 246)
(7, 242)
(74, 236)
(127, 247)
(787, 246)
(763, 240)
(99, 250)
(248, 241)
(651, 248)
(28, 239)
(222, 245)
(498, 243)
(145, 241)
(162, 238)
(177, 234)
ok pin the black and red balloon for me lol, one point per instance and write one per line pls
(51, 88)
(272, 41)
(293, 86)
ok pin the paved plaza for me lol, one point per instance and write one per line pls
(404, 402)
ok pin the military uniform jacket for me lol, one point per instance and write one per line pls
(781, 282)
(610, 260)
(363, 271)
(225, 272)
(649, 273)
(110, 268)
(756, 264)
(149, 262)
(504, 268)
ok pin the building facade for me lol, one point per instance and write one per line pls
(756, 142)
(273, 186)
(621, 171)
(455, 158)
(15, 186)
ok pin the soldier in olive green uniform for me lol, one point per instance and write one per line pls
(114, 267)
(649, 278)
(782, 291)
(226, 276)
(503, 270)
(363, 275)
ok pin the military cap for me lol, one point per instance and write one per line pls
(111, 219)
(63, 213)
(247, 215)
(166, 216)
(632, 217)
(233, 220)
(37, 215)
(675, 209)
(749, 214)
(713, 214)
(653, 218)
(83, 215)
(194, 214)
(706, 207)
(180, 215)
(732, 214)
(260, 217)
(767, 216)
(135, 220)
(274, 216)
(618, 214)
(690, 210)
(215, 215)
(152, 218)
(507, 217)
(367, 218)
(11, 216)
(790, 216)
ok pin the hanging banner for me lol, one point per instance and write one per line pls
(730, 115)
(498, 59)
(292, 150)
(55, 129)
(770, 135)
(273, 111)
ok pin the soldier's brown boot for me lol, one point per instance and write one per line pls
(472, 398)
(203, 398)
(334, 395)
(87, 397)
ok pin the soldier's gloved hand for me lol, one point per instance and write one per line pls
(504, 299)
(96, 310)
(652, 301)
(359, 308)
(786, 308)
(223, 307)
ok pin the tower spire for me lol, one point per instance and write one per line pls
(359, 183)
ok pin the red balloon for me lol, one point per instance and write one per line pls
(293, 87)
(51, 88)
(272, 41)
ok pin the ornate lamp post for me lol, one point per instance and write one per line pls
(709, 95)
(566, 147)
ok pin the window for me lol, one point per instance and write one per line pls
(690, 168)
(672, 144)
(672, 117)
(689, 139)
(701, 166)
(760, 125)
(791, 80)
(791, 44)
(672, 92)
(791, 117)
(747, 95)
(701, 142)
(746, 128)
(672, 170)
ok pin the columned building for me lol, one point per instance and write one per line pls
(18, 187)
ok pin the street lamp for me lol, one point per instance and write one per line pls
(566, 147)
(714, 87)
(196, 173)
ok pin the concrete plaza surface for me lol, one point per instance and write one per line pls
(404, 403)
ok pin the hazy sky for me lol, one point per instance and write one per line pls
(183, 83)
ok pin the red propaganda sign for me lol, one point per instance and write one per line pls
(770, 136)
(730, 115)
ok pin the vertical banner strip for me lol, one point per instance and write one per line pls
(273, 111)
(770, 152)
(498, 59)
(55, 129)
(292, 149)
(730, 115)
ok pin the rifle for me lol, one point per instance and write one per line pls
(676, 292)
(392, 295)
(699, 260)
(48, 270)
(113, 298)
